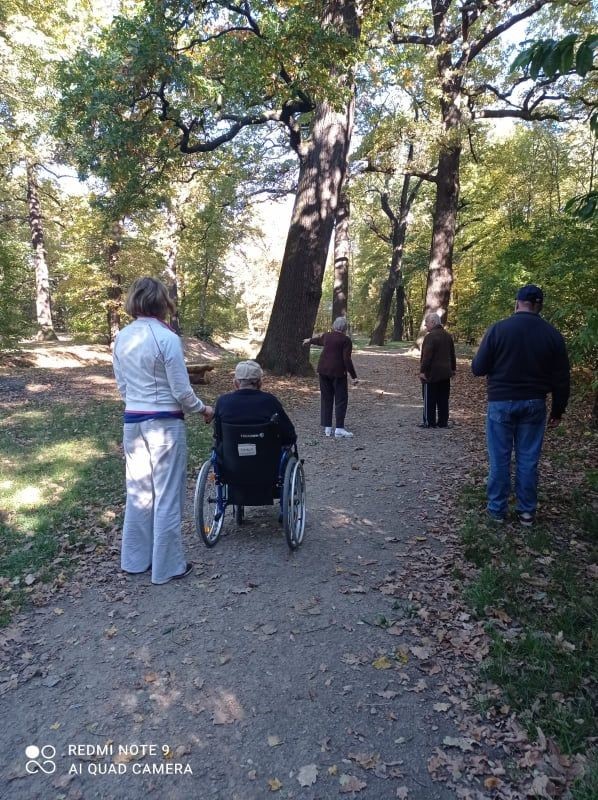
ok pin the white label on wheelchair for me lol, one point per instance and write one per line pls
(246, 449)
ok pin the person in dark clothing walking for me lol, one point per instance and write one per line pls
(523, 358)
(437, 366)
(334, 364)
(249, 404)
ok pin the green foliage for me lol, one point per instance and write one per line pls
(15, 300)
(583, 206)
(550, 57)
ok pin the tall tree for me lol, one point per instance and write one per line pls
(202, 80)
(459, 37)
(33, 39)
(342, 254)
(322, 169)
(40, 262)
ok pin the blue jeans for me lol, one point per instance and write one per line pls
(519, 424)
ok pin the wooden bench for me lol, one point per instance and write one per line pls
(197, 372)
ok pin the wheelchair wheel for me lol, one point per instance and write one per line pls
(239, 514)
(205, 506)
(293, 503)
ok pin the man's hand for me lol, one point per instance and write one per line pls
(306, 341)
(355, 381)
(554, 422)
(422, 377)
(207, 414)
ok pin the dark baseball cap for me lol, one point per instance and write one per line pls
(530, 294)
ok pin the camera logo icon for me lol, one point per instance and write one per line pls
(40, 759)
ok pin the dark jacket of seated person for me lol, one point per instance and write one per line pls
(249, 405)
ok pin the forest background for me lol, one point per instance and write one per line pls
(187, 140)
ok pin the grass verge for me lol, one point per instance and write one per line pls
(61, 488)
(536, 589)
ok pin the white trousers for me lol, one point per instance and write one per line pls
(156, 462)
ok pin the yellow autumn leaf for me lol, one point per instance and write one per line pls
(274, 784)
(382, 663)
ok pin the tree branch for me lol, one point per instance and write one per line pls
(425, 176)
(477, 46)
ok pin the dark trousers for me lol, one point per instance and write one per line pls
(333, 391)
(436, 398)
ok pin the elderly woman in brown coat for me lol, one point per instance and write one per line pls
(334, 364)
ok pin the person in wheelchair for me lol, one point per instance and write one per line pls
(248, 404)
(254, 461)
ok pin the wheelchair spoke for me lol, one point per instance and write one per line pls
(208, 512)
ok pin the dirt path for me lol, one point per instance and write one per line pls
(307, 675)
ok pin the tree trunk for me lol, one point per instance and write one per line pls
(115, 288)
(170, 268)
(398, 329)
(444, 223)
(322, 168)
(342, 251)
(395, 275)
(440, 269)
(43, 302)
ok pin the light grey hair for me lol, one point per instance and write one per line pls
(248, 383)
(340, 324)
(433, 318)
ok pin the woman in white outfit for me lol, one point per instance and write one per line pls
(153, 381)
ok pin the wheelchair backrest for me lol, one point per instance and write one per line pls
(248, 455)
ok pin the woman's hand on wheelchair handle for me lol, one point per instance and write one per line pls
(207, 414)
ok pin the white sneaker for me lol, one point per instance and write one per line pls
(328, 431)
(342, 433)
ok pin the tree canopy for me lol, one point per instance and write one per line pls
(148, 140)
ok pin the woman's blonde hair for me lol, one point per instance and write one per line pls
(148, 297)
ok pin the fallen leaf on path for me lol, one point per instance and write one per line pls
(458, 741)
(274, 741)
(402, 792)
(382, 663)
(423, 653)
(349, 783)
(308, 775)
(274, 784)
(365, 760)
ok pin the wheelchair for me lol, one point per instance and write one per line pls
(248, 466)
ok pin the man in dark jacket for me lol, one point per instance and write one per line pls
(523, 358)
(437, 366)
(248, 404)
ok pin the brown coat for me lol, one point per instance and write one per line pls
(335, 359)
(438, 362)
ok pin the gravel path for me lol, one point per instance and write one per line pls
(264, 673)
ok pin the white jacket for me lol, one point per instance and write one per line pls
(150, 369)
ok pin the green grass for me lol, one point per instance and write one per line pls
(61, 486)
(546, 660)
(586, 788)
